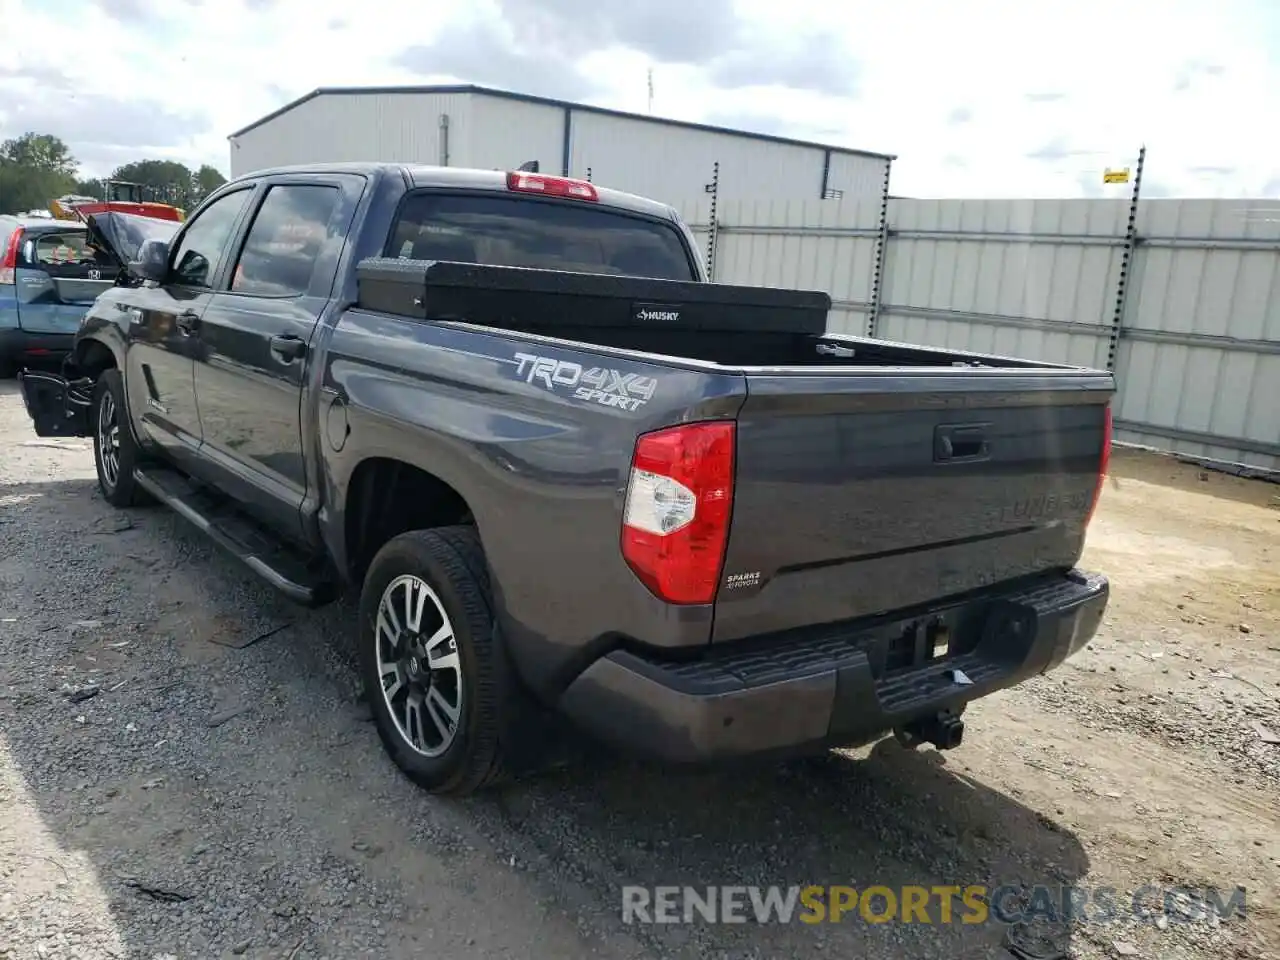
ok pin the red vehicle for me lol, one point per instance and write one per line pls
(121, 197)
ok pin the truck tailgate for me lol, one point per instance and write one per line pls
(866, 491)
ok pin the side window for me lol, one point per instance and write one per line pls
(200, 250)
(288, 234)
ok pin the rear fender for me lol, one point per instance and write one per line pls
(58, 407)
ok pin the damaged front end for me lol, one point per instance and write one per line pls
(58, 406)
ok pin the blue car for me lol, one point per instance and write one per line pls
(50, 272)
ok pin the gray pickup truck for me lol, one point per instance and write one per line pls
(570, 479)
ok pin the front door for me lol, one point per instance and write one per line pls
(256, 334)
(163, 326)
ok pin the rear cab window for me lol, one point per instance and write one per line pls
(513, 231)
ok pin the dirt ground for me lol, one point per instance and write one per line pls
(168, 791)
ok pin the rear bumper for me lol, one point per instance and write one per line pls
(830, 687)
(25, 346)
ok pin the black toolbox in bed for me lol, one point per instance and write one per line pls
(555, 302)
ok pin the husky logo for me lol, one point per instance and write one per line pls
(657, 313)
(602, 385)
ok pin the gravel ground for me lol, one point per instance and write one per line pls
(185, 770)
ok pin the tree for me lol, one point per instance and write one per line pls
(38, 167)
(34, 168)
(207, 180)
(40, 151)
(171, 181)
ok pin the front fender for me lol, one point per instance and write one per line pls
(99, 344)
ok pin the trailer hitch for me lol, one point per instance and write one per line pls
(945, 730)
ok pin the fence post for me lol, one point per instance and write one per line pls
(1126, 263)
(882, 246)
(713, 224)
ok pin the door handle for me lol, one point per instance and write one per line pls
(961, 441)
(188, 321)
(287, 347)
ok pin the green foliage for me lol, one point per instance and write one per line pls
(172, 182)
(207, 180)
(38, 167)
(34, 168)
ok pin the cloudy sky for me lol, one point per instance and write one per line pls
(977, 97)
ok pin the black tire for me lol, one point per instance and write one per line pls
(118, 487)
(8, 368)
(451, 562)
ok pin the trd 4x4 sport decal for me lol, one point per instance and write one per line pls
(602, 385)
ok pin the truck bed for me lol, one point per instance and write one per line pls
(725, 324)
(869, 476)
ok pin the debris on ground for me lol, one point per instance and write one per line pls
(81, 694)
(155, 892)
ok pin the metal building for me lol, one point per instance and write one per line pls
(469, 126)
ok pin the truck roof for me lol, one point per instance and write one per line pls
(425, 175)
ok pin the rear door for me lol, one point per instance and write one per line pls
(59, 274)
(866, 491)
(255, 334)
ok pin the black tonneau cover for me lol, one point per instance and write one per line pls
(528, 299)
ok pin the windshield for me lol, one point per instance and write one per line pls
(522, 232)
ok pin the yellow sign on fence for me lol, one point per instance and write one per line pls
(1115, 176)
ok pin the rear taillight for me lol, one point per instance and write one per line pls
(1103, 464)
(9, 259)
(551, 186)
(676, 521)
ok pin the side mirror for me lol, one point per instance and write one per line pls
(193, 268)
(153, 261)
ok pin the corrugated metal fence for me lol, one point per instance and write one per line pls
(1192, 332)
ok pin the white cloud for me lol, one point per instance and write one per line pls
(980, 98)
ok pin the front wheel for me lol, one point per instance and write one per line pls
(429, 659)
(115, 452)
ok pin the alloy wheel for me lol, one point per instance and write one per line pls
(418, 665)
(109, 439)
